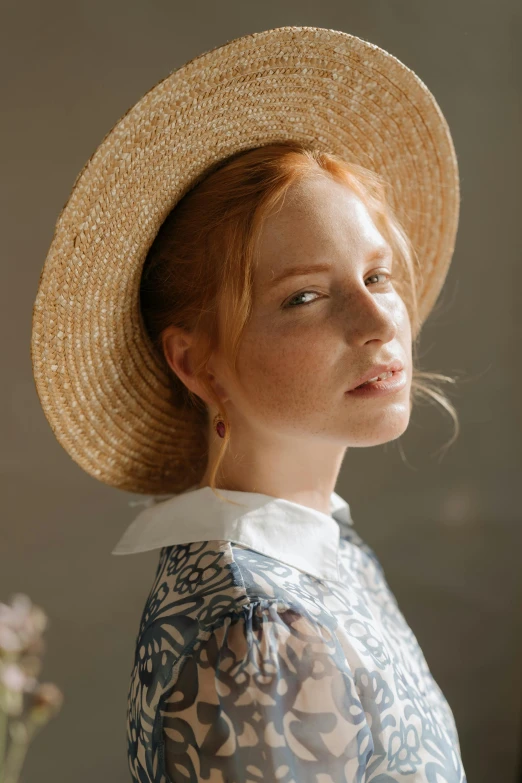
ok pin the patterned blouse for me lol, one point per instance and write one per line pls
(271, 649)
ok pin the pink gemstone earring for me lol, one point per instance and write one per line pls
(219, 425)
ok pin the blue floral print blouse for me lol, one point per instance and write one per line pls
(271, 649)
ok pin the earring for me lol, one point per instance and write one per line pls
(219, 425)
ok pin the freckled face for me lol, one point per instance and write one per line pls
(311, 337)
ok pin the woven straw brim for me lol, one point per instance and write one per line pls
(101, 386)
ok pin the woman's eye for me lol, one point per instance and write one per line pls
(296, 296)
(302, 293)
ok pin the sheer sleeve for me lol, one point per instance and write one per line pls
(266, 696)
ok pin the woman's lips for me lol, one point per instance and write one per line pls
(379, 388)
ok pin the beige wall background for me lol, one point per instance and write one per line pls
(447, 527)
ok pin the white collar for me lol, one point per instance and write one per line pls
(297, 535)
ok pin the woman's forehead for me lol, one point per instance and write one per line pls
(301, 241)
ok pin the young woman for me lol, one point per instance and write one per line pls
(260, 240)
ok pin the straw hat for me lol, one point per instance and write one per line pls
(99, 381)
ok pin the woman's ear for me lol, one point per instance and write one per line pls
(179, 348)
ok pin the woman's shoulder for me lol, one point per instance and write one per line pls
(210, 632)
(198, 584)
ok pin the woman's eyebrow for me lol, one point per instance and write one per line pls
(308, 269)
(303, 269)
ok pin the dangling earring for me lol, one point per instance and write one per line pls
(219, 425)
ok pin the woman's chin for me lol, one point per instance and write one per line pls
(378, 430)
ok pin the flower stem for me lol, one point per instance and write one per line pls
(20, 738)
(3, 740)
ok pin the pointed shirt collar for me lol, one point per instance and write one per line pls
(297, 535)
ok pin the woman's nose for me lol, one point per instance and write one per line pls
(370, 317)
